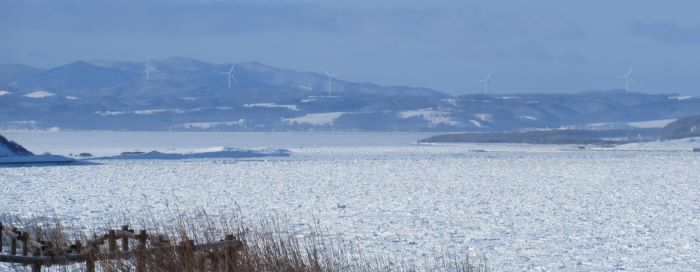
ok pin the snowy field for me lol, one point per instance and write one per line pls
(536, 208)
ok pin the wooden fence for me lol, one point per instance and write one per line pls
(220, 256)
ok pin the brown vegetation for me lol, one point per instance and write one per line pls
(268, 245)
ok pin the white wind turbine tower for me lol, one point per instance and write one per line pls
(230, 75)
(330, 77)
(628, 78)
(149, 69)
(486, 81)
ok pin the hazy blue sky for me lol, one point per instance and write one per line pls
(531, 46)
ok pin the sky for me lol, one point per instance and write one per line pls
(548, 46)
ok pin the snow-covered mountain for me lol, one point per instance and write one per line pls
(188, 94)
(12, 154)
(11, 149)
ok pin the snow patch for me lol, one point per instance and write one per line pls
(110, 113)
(433, 117)
(210, 125)
(476, 123)
(485, 117)
(598, 126)
(652, 123)
(154, 111)
(39, 94)
(271, 105)
(72, 98)
(143, 112)
(508, 97)
(315, 119)
(3, 92)
(450, 101)
(680, 98)
(526, 117)
(305, 88)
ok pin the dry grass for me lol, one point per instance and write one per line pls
(269, 245)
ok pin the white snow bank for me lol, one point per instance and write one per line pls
(433, 117)
(3, 92)
(71, 97)
(39, 94)
(652, 123)
(271, 105)
(315, 119)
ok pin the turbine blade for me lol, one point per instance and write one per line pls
(629, 71)
(324, 70)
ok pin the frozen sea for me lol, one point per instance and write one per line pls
(524, 207)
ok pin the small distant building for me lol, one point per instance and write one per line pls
(697, 149)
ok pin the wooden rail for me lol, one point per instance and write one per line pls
(221, 254)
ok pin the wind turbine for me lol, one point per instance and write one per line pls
(486, 81)
(628, 78)
(230, 75)
(149, 69)
(330, 77)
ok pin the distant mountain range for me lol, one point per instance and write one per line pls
(190, 95)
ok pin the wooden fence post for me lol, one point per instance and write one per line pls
(112, 241)
(230, 254)
(90, 265)
(13, 243)
(36, 267)
(125, 238)
(91, 254)
(140, 258)
(186, 253)
(1, 228)
(25, 243)
(78, 247)
(214, 259)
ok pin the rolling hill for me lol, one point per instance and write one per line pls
(191, 95)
